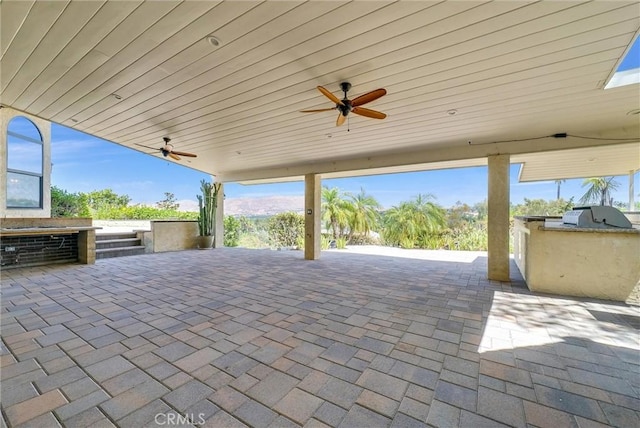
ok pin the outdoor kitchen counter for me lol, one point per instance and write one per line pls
(22, 238)
(568, 260)
(23, 231)
(569, 228)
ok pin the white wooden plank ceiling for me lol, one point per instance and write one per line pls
(511, 70)
(607, 160)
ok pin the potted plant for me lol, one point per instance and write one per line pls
(208, 203)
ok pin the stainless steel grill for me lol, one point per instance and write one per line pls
(598, 217)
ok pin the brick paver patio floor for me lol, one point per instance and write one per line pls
(234, 337)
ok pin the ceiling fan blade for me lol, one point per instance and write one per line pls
(329, 95)
(368, 113)
(190, 155)
(368, 97)
(341, 119)
(317, 110)
(174, 156)
(147, 147)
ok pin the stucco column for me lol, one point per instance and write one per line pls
(632, 202)
(218, 241)
(498, 218)
(312, 216)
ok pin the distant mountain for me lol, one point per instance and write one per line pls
(187, 205)
(259, 206)
(267, 205)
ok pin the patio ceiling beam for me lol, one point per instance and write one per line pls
(441, 154)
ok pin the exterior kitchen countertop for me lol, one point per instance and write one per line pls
(536, 217)
(571, 228)
(16, 231)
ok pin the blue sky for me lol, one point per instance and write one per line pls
(82, 163)
(632, 58)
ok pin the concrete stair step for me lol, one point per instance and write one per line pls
(115, 243)
(105, 253)
(115, 235)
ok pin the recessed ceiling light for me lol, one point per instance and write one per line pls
(213, 41)
(116, 96)
(452, 112)
(633, 112)
(74, 120)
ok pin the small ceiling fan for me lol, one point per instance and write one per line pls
(345, 105)
(167, 150)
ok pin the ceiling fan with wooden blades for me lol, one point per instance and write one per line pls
(167, 150)
(345, 105)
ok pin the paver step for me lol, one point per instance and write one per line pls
(115, 235)
(104, 253)
(115, 243)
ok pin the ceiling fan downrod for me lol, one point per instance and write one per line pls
(346, 106)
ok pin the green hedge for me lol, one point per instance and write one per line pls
(140, 212)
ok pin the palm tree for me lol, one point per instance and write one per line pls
(400, 227)
(599, 190)
(335, 210)
(432, 216)
(559, 182)
(364, 213)
(411, 222)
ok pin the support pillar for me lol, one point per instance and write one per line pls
(632, 203)
(312, 224)
(498, 218)
(218, 241)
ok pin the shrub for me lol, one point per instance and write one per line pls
(285, 228)
(324, 242)
(470, 237)
(364, 240)
(65, 204)
(341, 243)
(141, 212)
(232, 227)
(105, 199)
(258, 239)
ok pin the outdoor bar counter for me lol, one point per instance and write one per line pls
(41, 241)
(590, 262)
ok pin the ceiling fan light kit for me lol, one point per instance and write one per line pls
(167, 150)
(346, 106)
